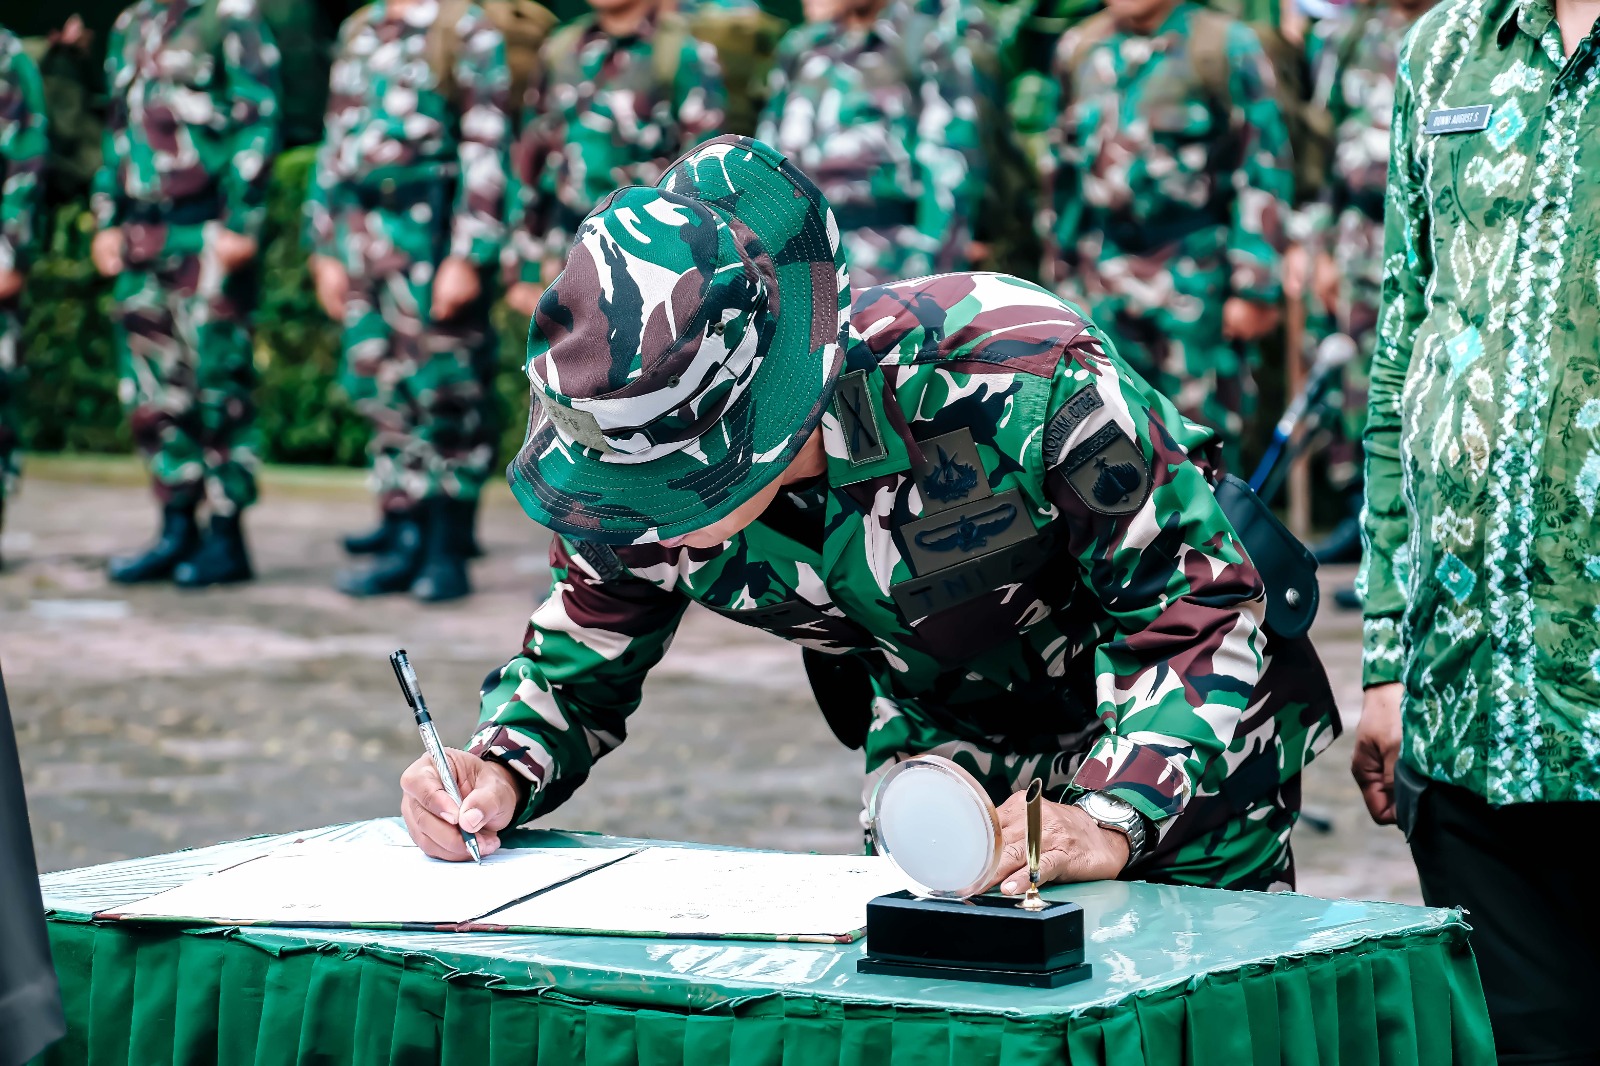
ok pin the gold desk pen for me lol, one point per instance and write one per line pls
(1031, 901)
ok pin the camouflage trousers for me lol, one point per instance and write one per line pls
(1167, 323)
(188, 369)
(425, 385)
(1234, 832)
(1358, 253)
(10, 397)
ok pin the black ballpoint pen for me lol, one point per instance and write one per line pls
(430, 737)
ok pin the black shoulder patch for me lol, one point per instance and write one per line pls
(1069, 418)
(1108, 472)
(601, 557)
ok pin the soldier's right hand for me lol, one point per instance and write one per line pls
(490, 800)
(106, 251)
(1325, 281)
(332, 284)
(10, 283)
(523, 298)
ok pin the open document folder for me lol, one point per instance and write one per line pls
(652, 891)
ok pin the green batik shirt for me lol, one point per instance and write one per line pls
(1020, 542)
(1482, 574)
(194, 111)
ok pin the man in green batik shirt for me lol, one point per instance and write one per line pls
(1481, 578)
(952, 483)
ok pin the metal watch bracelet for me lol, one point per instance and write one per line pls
(1109, 812)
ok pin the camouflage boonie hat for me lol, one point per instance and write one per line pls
(686, 351)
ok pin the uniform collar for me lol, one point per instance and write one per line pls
(1532, 17)
(646, 30)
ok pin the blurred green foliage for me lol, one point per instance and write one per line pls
(71, 395)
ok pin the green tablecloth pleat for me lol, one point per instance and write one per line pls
(198, 996)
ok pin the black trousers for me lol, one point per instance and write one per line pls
(1518, 872)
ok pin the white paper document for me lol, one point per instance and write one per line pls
(367, 884)
(701, 892)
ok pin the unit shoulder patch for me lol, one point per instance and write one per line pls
(1070, 417)
(1108, 472)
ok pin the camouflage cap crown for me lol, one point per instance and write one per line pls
(667, 387)
(682, 314)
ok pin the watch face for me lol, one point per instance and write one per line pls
(1102, 807)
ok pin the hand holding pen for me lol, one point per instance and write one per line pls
(443, 824)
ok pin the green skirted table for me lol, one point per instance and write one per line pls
(1181, 975)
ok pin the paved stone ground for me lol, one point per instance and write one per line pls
(152, 719)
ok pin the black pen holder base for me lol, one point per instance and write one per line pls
(985, 938)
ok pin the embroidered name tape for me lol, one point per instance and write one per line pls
(1472, 119)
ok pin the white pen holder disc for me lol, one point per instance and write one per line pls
(938, 825)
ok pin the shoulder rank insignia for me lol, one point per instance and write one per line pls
(852, 404)
(1108, 472)
(950, 479)
(950, 472)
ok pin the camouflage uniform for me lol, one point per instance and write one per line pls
(412, 171)
(188, 149)
(885, 121)
(23, 149)
(1101, 628)
(609, 112)
(1166, 202)
(1353, 61)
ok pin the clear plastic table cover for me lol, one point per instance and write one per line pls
(1141, 937)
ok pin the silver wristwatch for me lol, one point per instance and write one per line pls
(1109, 812)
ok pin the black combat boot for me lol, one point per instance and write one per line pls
(394, 570)
(448, 547)
(377, 540)
(222, 559)
(178, 540)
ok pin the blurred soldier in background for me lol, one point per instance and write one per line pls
(189, 144)
(746, 40)
(1169, 180)
(625, 91)
(23, 149)
(879, 104)
(405, 218)
(1353, 59)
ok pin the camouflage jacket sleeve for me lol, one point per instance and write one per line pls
(1177, 676)
(564, 701)
(483, 87)
(319, 231)
(250, 61)
(106, 190)
(530, 196)
(23, 149)
(1407, 270)
(778, 81)
(948, 155)
(699, 99)
(1060, 200)
(1312, 222)
(1264, 181)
